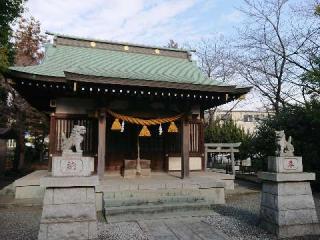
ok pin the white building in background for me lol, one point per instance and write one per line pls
(246, 119)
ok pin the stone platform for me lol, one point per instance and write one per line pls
(69, 208)
(29, 186)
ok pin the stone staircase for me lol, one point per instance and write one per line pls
(162, 203)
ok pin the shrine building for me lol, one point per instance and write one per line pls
(136, 102)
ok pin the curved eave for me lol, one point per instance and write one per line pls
(69, 76)
(155, 84)
(37, 77)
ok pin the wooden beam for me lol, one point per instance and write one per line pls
(101, 144)
(185, 148)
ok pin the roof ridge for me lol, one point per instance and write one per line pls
(117, 42)
(123, 52)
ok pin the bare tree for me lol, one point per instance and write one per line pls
(215, 59)
(273, 43)
(28, 42)
(172, 44)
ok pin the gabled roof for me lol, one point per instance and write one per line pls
(116, 64)
(112, 60)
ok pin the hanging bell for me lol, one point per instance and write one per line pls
(172, 128)
(116, 126)
(144, 132)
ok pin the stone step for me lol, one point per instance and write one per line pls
(150, 193)
(151, 200)
(155, 209)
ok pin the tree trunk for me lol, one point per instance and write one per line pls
(20, 147)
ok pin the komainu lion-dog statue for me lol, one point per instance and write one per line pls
(284, 147)
(75, 139)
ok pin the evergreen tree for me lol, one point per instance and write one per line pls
(17, 113)
(229, 132)
(302, 122)
(10, 10)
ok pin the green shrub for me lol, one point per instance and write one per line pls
(302, 122)
(229, 132)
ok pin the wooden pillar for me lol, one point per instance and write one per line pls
(185, 141)
(101, 145)
(52, 140)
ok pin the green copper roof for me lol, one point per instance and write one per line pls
(116, 64)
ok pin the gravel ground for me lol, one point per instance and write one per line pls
(19, 223)
(238, 219)
(22, 223)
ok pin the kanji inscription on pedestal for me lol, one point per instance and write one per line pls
(290, 163)
(72, 164)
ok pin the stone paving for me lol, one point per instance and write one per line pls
(181, 228)
(172, 229)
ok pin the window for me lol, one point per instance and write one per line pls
(248, 118)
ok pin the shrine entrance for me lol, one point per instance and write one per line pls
(140, 142)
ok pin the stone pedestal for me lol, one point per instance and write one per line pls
(287, 205)
(69, 210)
(72, 164)
(285, 164)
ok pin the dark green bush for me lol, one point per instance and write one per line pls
(300, 122)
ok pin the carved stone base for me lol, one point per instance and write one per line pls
(72, 164)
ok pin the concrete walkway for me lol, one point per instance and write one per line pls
(180, 228)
